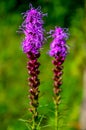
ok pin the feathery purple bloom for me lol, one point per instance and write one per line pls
(33, 29)
(58, 46)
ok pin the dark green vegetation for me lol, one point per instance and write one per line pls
(14, 101)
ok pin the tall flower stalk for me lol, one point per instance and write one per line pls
(32, 27)
(58, 50)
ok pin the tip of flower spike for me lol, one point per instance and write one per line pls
(60, 33)
(31, 7)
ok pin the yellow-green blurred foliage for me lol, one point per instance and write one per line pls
(14, 102)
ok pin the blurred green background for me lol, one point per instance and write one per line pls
(14, 102)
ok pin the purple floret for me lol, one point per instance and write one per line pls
(32, 27)
(58, 46)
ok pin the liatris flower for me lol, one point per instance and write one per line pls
(58, 50)
(32, 27)
(58, 46)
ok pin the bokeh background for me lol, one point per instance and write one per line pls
(14, 102)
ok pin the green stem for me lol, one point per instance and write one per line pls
(35, 120)
(34, 127)
(56, 118)
(56, 115)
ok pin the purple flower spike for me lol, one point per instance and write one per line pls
(32, 27)
(59, 50)
(58, 46)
